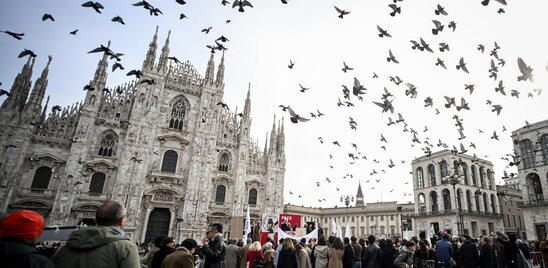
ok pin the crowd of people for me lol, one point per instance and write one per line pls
(107, 245)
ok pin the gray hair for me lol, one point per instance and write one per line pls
(110, 213)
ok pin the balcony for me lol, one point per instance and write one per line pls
(454, 212)
(533, 203)
(170, 177)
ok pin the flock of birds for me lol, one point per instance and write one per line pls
(350, 96)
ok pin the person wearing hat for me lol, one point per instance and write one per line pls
(183, 256)
(104, 245)
(213, 247)
(17, 234)
(444, 251)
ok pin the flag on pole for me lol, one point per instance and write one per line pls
(247, 226)
(333, 227)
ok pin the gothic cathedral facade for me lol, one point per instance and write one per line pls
(167, 150)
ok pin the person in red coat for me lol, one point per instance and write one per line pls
(254, 253)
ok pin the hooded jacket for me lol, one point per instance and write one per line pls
(97, 247)
(16, 253)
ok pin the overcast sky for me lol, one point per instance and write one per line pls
(264, 38)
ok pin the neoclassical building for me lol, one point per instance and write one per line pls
(473, 209)
(383, 219)
(531, 147)
(166, 150)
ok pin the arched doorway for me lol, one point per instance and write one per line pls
(158, 224)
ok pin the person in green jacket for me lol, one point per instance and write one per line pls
(104, 245)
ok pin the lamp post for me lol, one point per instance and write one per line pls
(347, 199)
(454, 180)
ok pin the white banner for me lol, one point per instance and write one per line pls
(313, 234)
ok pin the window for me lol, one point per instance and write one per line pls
(220, 194)
(107, 146)
(420, 178)
(224, 162)
(41, 178)
(392, 229)
(443, 169)
(372, 218)
(446, 199)
(493, 204)
(391, 217)
(519, 220)
(544, 145)
(422, 206)
(514, 217)
(489, 179)
(382, 218)
(252, 200)
(474, 176)
(528, 153)
(97, 183)
(382, 229)
(434, 201)
(465, 172)
(178, 113)
(534, 187)
(482, 177)
(485, 206)
(432, 175)
(469, 200)
(456, 167)
(169, 164)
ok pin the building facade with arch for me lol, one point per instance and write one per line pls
(382, 219)
(471, 207)
(168, 151)
(531, 156)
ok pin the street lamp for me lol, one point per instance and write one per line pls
(347, 200)
(454, 180)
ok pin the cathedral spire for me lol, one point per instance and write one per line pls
(210, 71)
(359, 195)
(100, 77)
(162, 62)
(221, 71)
(148, 63)
(39, 90)
(247, 105)
(45, 109)
(273, 136)
(20, 87)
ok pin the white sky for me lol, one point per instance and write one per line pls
(264, 38)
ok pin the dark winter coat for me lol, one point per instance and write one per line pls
(469, 255)
(487, 256)
(288, 258)
(372, 256)
(16, 253)
(347, 257)
(160, 255)
(214, 253)
(388, 255)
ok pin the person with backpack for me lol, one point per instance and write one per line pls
(255, 255)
